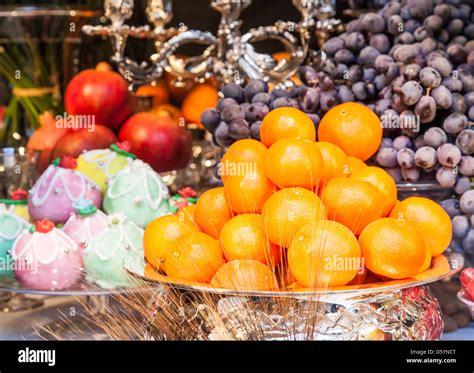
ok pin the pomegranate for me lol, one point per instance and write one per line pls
(158, 141)
(101, 93)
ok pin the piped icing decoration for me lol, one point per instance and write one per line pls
(123, 148)
(45, 244)
(11, 225)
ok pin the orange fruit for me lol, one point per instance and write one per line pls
(287, 211)
(354, 128)
(294, 162)
(159, 93)
(324, 253)
(241, 156)
(199, 99)
(335, 160)
(168, 111)
(385, 184)
(393, 248)
(245, 274)
(243, 237)
(186, 214)
(430, 219)
(194, 257)
(247, 193)
(352, 202)
(212, 212)
(160, 233)
(354, 164)
(286, 122)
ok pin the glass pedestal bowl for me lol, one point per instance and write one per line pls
(390, 310)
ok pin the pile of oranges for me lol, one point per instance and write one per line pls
(299, 213)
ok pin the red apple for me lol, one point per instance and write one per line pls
(76, 141)
(100, 93)
(157, 140)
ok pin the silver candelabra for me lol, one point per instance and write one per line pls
(228, 56)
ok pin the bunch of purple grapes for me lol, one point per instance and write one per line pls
(240, 111)
(412, 63)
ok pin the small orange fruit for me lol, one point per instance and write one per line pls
(430, 219)
(160, 233)
(286, 122)
(248, 193)
(241, 156)
(385, 184)
(354, 164)
(243, 237)
(168, 111)
(393, 248)
(352, 202)
(212, 212)
(288, 210)
(354, 128)
(324, 253)
(202, 97)
(245, 274)
(294, 162)
(335, 160)
(194, 257)
(186, 214)
(159, 93)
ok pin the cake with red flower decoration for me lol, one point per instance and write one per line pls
(17, 204)
(45, 258)
(53, 195)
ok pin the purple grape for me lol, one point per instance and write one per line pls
(410, 174)
(433, 22)
(280, 93)
(405, 38)
(345, 93)
(224, 102)
(397, 84)
(255, 130)
(460, 39)
(390, 9)
(380, 42)
(325, 82)
(467, 79)
(455, 27)
(428, 45)
(448, 155)
(446, 177)
(455, 123)
(342, 71)
(263, 98)
(411, 92)
(469, 31)
(426, 109)
(285, 102)
(360, 91)
(328, 100)
(443, 11)
(344, 56)
(411, 71)
(239, 129)
(419, 142)
(451, 206)
(460, 226)
(210, 119)
(367, 56)
(470, 113)
(387, 142)
(373, 22)
(406, 158)
(395, 173)
(422, 33)
(221, 135)
(420, 8)
(329, 67)
(355, 74)
(458, 105)
(405, 53)
(425, 157)
(435, 137)
(469, 98)
(354, 25)
(465, 141)
(309, 100)
(466, 202)
(397, 103)
(401, 142)
(232, 112)
(442, 96)
(466, 166)
(381, 106)
(387, 157)
(380, 82)
(233, 90)
(382, 62)
(256, 112)
(395, 24)
(392, 72)
(463, 184)
(253, 87)
(429, 77)
(308, 75)
(333, 45)
(457, 54)
(355, 41)
(315, 118)
(442, 65)
(468, 242)
(453, 84)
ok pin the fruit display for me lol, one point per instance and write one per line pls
(45, 258)
(297, 213)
